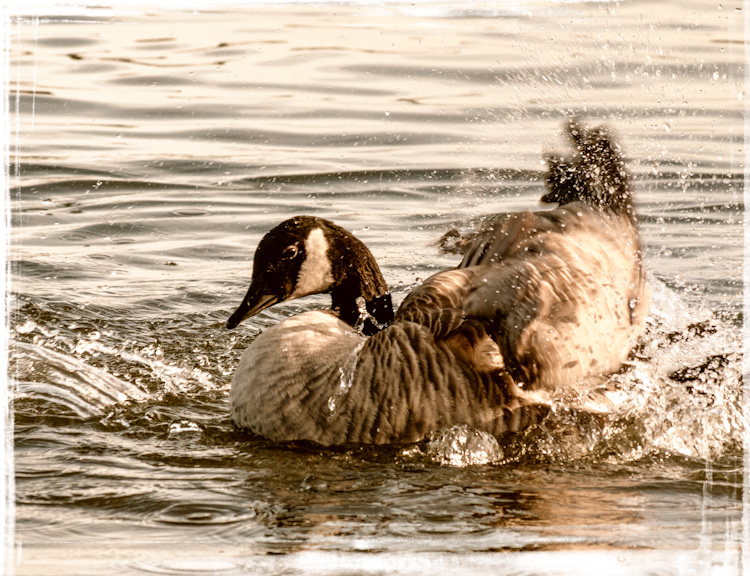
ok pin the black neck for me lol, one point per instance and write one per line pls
(358, 276)
(378, 312)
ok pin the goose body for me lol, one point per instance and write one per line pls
(541, 300)
(314, 377)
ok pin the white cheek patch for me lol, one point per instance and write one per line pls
(315, 274)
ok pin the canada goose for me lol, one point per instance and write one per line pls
(541, 300)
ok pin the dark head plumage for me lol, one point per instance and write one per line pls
(309, 255)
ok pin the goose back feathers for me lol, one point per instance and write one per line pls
(541, 300)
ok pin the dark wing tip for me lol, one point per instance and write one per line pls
(594, 173)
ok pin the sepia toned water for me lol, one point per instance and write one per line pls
(151, 149)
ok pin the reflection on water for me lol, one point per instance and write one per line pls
(151, 152)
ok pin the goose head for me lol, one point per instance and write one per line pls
(595, 174)
(308, 255)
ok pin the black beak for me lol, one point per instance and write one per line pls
(254, 302)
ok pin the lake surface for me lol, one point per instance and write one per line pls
(151, 150)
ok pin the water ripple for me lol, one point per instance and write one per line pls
(68, 381)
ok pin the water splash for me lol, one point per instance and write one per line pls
(680, 395)
(364, 316)
(184, 427)
(85, 390)
(463, 446)
(66, 368)
(346, 377)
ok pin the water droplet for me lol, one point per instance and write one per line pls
(184, 426)
(26, 328)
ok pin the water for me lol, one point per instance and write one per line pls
(150, 151)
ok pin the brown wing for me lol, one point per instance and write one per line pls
(555, 290)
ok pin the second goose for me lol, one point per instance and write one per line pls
(541, 300)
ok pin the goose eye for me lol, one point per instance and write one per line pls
(289, 252)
